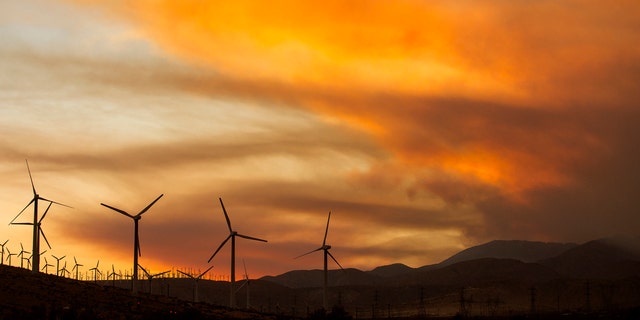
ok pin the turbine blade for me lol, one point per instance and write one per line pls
(326, 230)
(117, 210)
(149, 206)
(242, 285)
(23, 223)
(30, 178)
(161, 273)
(246, 275)
(143, 269)
(44, 237)
(250, 238)
(310, 252)
(74, 260)
(138, 246)
(23, 209)
(45, 212)
(58, 203)
(226, 216)
(186, 274)
(205, 272)
(334, 259)
(220, 247)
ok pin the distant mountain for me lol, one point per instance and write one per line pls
(314, 278)
(483, 271)
(525, 251)
(514, 261)
(391, 270)
(608, 258)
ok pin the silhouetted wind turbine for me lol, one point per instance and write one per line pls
(2, 260)
(76, 267)
(246, 282)
(21, 255)
(136, 239)
(196, 280)
(151, 276)
(232, 235)
(325, 247)
(58, 264)
(36, 222)
(31, 256)
(96, 271)
(64, 270)
(113, 275)
(9, 256)
(46, 265)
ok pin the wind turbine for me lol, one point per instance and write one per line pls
(2, 260)
(64, 270)
(113, 275)
(36, 222)
(9, 256)
(136, 239)
(46, 265)
(58, 264)
(246, 282)
(196, 279)
(325, 247)
(232, 235)
(21, 255)
(76, 267)
(151, 276)
(96, 271)
(31, 256)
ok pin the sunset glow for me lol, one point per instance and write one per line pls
(425, 127)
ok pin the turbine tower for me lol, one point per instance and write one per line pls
(21, 255)
(76, 267)
(136, 239)
(58, 264)
(2, 260)
(325, 247)
(46, 265)
(95, 271)
(9, 255)
(151, 276)
(196, 279)
(232, 235)
(246, 282)
(36, 222)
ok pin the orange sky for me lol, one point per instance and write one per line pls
(425, 127)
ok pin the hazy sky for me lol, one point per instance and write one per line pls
(424, 126)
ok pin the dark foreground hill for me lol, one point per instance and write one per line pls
(599, 277)
(497, 278)
(25, 295)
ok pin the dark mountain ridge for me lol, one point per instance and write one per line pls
(502, 260)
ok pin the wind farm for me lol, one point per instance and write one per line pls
(136, 238)
(325, 274)
(351, 292)
(479, 158)
(232, 235)
(37, 229)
